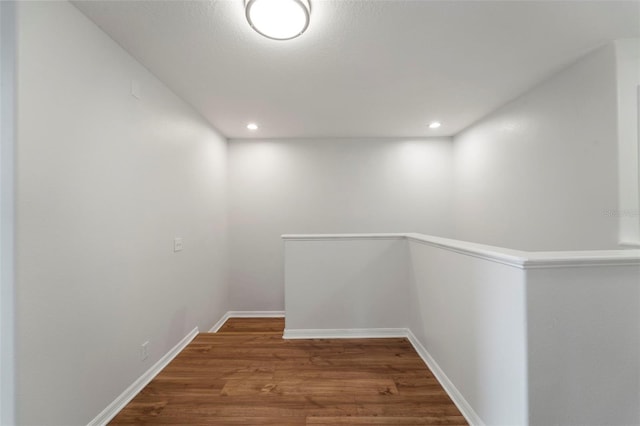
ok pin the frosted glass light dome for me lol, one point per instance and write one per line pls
(278, 19)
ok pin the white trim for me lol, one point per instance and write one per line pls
(495, 254)
(465, 408)
(333, 237)
(220, 323)
(349, 333)
(256, 314)
(515, 258)
(125, 397)
(578, 259)
(245, 314)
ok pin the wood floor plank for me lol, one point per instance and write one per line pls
(258, 325)
(385, 421)
(246, 374)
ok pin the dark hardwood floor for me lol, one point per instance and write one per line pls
(246, 374)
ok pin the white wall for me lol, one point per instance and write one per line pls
(541, 172)
(584, 345)
(346, 283)
(628, 75)
(326, 186)
(469, 314)
(7, 205)
(105, 181)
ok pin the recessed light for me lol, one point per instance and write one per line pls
(252, 126)
(434, 124)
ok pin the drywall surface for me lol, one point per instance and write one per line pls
(469, 314)
(105, 181)
(584, 345)
(7, 206)
(541, 172)
(346, 284)
(326, 186)
(628, 76)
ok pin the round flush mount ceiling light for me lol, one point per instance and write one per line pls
(434, 124)
(278, 19)
(252, 126)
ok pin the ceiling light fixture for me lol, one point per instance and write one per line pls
(278, 19)
(434, 124)
(252, 126)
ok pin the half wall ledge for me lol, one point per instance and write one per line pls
(514, 337)
(516, 258)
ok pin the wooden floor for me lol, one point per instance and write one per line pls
(246, 374)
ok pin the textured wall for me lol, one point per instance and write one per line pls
(105, 181)
(541, 172)
(326, 186)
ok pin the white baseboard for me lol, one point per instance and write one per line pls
(125, 397)
(467, 411)
(349, 333)
(220, 323)
(256, 314)
(245, 314)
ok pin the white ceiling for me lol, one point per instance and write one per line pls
(364, 68)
